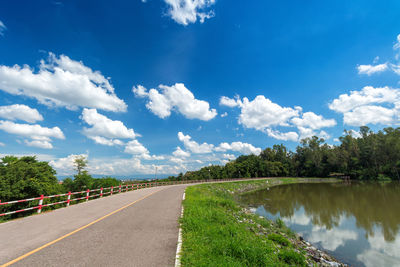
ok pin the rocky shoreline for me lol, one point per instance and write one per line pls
(314, 256)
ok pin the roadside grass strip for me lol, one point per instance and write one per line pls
(218, 232)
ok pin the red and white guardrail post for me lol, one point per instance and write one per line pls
(69, 198)
(112, 189)
(120, 187)
(87, 195)
(40, 204)
(101, 192)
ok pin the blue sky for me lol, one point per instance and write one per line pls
(177, 85)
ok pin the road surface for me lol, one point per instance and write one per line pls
(137, 228)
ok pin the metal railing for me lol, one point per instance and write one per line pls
(85, 195)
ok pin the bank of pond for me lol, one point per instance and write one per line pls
(301, 222)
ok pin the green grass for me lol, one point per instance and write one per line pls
(218, 232)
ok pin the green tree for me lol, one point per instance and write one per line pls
(80, 163)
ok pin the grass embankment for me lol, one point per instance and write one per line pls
(218, 232)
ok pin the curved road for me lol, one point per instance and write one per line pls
(137, 228)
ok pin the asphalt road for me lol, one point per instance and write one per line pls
(143, 233)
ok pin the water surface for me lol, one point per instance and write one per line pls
(358, 224)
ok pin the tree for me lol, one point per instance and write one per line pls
(26, 177)
(80, 163)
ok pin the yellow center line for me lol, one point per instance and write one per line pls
(75, 231)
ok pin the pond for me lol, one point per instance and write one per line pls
(357, 223)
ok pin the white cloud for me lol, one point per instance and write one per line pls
(262, 113)
(180, 153)
(2, 28)
(20, 112)
(39, 143)
(105, 131)
(243, 148)
(397, 44)
(371, 115)
(229, 102)
(224, 115)
(309, 122)
(61, 82)
(372, 69)
(41, 136)
(35, 131)
(187, 11)
(177, 97)
(193, 146)
(135, 148)
(147, 156)
(105, 141)
(140, 91)
(288, 136)
(112, 166)
(395, 68)
(368, 95)
(369, 106)
(229, 156)
(313, 121)
(2, 144)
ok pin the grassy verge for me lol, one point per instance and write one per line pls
(218, 232)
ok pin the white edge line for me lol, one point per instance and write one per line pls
(179, 245)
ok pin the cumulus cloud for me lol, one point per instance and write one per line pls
(105, 131)
(369, 106)
(309, 122)
(180, 153)
(287, 136)
(39, 143)
(176, 97)
(135, 148)
(371, 115)
(40, 136)
(61, 82)
(20, 112)
(229, 102)
(188, 11)
(243, 148)
(2, 28)
(193, 146)
(264, 115)
(112, 166)
(313, 121)
(372, 69)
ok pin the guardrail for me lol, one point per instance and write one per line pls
(102, 192)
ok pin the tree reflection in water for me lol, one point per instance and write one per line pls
(372, 204)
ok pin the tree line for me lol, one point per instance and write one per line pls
(370, 156)
(26, 177)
